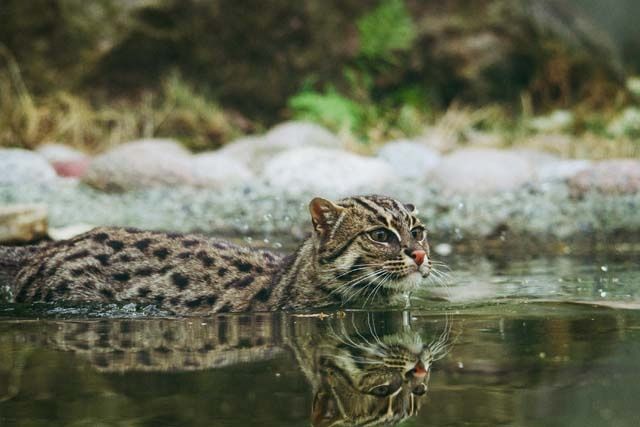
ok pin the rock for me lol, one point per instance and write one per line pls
(67, 161)
(561, 170)
(535, 157)
(617, 176)
(60, 153)
(409, 159)
(70, 231)
(255, 150)
(71, 168)
(23, 223)
(326, 172)
(141, 164)
(476, 171)
(296, 134)
(217, 170)
(18, 166)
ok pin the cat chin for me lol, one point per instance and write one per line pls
(408, 283)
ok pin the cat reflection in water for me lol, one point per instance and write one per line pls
(358, 375)
(373, 381)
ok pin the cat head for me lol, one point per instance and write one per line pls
(374, 383)
(367, 243)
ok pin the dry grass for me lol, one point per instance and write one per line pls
(178, 111)
(175, 111)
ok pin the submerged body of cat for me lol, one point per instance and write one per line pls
(361, 247)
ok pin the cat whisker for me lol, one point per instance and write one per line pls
(351, 285)
(382, 280)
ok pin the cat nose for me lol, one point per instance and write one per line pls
(419, 371)
(418, 256)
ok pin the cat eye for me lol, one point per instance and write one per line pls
(381, 235)
(382, 390)
(419, 390)
(418, 233)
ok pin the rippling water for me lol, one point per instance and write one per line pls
(546, 341)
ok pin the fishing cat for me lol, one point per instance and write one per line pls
(357, 375)
(361, 247)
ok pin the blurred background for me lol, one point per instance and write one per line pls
(96, 73)
(425, 100)
(512, 125)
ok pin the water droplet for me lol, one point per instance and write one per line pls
(443, 249)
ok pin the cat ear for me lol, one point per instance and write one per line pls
(324, 215)
(410, 207)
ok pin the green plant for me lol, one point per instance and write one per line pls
(386, 29)
(329, 108)
(384, 32)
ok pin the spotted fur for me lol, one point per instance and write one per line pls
(342, 261)
(357, 376)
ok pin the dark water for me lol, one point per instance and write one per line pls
(538, 342)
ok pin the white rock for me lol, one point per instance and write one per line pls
(613, 176)
(141, 164)
(476, 171)
(23, 223)
(326, 172)
(60, 153)
(255, 150)
(409, 159)
(302, 134)
(70, 231)
(217, 170)
(18, 166)
(561, 170)
(443, 249)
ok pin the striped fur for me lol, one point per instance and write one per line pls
(190, 274)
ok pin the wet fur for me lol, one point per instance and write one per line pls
(192, 274)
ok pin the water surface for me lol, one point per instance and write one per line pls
(543, 341)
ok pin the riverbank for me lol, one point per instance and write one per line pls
(259, 188)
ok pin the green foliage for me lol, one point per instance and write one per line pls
(329, 108)
(383, 32)
(386, 29)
